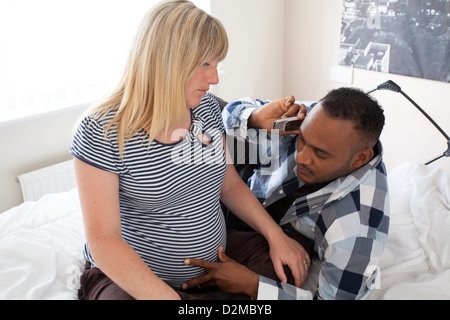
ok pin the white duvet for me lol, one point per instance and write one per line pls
(41, 242)
(41, 247)
(416, 261)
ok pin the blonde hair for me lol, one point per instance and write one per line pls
(174, 39)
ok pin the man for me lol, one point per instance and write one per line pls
(329, 185)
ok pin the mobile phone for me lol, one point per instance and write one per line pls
(288, 124)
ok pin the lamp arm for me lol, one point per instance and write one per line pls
(392, 86)
(446, 153)
(435, 159)
(426, 115)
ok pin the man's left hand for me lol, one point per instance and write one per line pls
(228, 275)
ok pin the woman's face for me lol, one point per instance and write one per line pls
(198, 85)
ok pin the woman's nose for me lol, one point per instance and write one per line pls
(214, 76)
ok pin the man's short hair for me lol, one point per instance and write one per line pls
(359, 108)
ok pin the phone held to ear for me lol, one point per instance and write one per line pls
(288, 124)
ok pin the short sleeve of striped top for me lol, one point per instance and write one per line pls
(92, 146)
(169, 193)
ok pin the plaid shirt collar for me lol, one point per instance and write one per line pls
(334, 191)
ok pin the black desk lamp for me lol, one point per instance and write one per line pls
(392, 86)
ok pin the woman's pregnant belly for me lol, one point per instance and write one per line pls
(165, 242)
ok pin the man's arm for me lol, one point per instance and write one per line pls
(257, 114)
(353, 282)
(232, 277)
(228, 275)
(249, 125)
(350, 269)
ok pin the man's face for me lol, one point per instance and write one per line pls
(325, 148)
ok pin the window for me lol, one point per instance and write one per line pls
(57, 54)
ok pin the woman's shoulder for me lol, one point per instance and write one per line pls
(209, 106)
(209, 102)
(101, 118)
(93, 127)
(96, 122)
(209, 111)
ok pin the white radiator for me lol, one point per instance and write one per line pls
(57, 178)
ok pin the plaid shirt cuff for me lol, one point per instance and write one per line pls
(273, 290)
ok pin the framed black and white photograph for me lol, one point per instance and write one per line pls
(406, 37)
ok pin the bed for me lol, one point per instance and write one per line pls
(41, 242)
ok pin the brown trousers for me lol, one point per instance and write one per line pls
(247, 248)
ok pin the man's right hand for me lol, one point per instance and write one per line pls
(265, 116)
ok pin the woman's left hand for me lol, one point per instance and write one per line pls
(285, 251)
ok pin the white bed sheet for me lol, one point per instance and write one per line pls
(41, 242)
(416, 262)
(41, 247)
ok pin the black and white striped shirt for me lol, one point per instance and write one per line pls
(169, 193)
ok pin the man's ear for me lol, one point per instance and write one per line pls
(362, 158)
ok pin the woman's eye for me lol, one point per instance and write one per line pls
(206, 64)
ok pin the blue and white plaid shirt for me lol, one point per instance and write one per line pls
(347, 220)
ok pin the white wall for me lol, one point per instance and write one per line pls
(312, 34)
(30, 145)
(254, 65)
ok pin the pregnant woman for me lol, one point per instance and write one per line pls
(151, 166)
